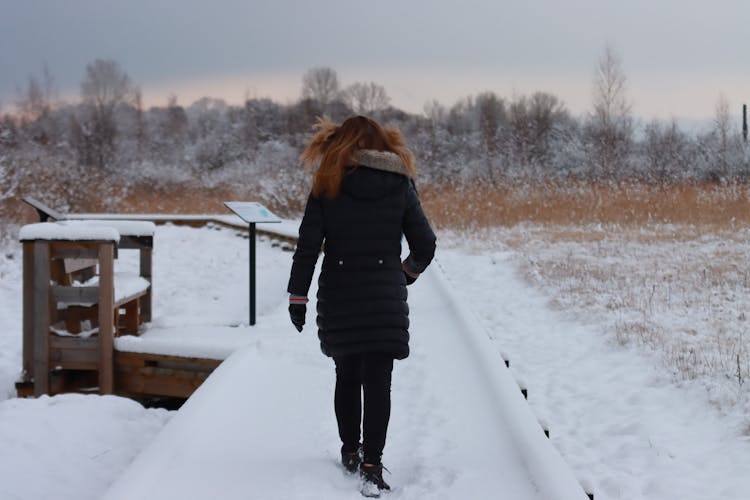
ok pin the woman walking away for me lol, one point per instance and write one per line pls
(363, 200)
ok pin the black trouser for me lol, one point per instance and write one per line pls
(371, 372)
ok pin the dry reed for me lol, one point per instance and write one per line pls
(583, 202)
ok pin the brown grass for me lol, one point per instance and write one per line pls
(680, 290)
(200, 200)
(176, 199)
(456, 207)
(580, 202)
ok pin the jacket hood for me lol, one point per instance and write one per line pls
(374, 174)
(380, 160)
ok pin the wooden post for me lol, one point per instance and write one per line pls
(28, 311)
(41, 304)
(252, 273)
(145, 272)
(106, 316)
(132, 318)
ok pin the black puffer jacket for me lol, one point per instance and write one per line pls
(362, 289)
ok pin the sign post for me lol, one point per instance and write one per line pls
(252, 213)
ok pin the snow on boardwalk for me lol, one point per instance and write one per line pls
(262, 426)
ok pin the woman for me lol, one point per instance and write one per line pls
(363, 200)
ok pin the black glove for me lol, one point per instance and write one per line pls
(409, 278)
(297, 314)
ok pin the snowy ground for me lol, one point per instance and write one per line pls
(616, 414)
(279, 439)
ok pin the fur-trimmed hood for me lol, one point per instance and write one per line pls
(374, 175)
(380, 160)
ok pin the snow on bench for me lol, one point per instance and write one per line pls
(124, 227)
(68, 231)
(128, 286)
(86, 230)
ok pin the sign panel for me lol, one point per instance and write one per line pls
(251, 212)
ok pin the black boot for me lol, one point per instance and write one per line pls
(351, 460)
(372, 480)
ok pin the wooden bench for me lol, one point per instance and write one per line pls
(75, 354)
(72, 312)
(134, 234)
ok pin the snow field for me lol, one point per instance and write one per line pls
(615, 415)
(622, 422)
(70, 446)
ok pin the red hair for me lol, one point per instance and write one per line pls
(334, 145)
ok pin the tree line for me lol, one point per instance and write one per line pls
(481, 138)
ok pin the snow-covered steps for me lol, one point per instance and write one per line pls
(174, 361)
(210, 342)
(262, 425)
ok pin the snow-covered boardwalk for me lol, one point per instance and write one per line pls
(262, 425)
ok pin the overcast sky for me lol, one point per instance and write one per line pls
(678, 55)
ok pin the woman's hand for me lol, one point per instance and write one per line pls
(297, 310)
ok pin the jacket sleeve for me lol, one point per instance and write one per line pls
(418, 233)
(308, 247)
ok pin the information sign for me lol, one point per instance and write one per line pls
(253, 213)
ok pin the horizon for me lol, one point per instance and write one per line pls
(285, 90)
(679, 56)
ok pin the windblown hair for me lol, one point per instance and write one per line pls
(333, 145)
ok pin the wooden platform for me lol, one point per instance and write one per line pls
(143, 374)
(136, 375)
(76, 361)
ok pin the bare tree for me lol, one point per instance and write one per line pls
(726, 148)
(366, 98)
(173, 130)
(532, 122)
(491, 111)
(435, 113)
(665, 147)
(104, 87)
(722, 129)
(547, 112)
(140, 123)
(35, 100)
(462, 117)
(175, 123)
(610, 121)
(8, 182)
(322, 85)
(35, 104)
